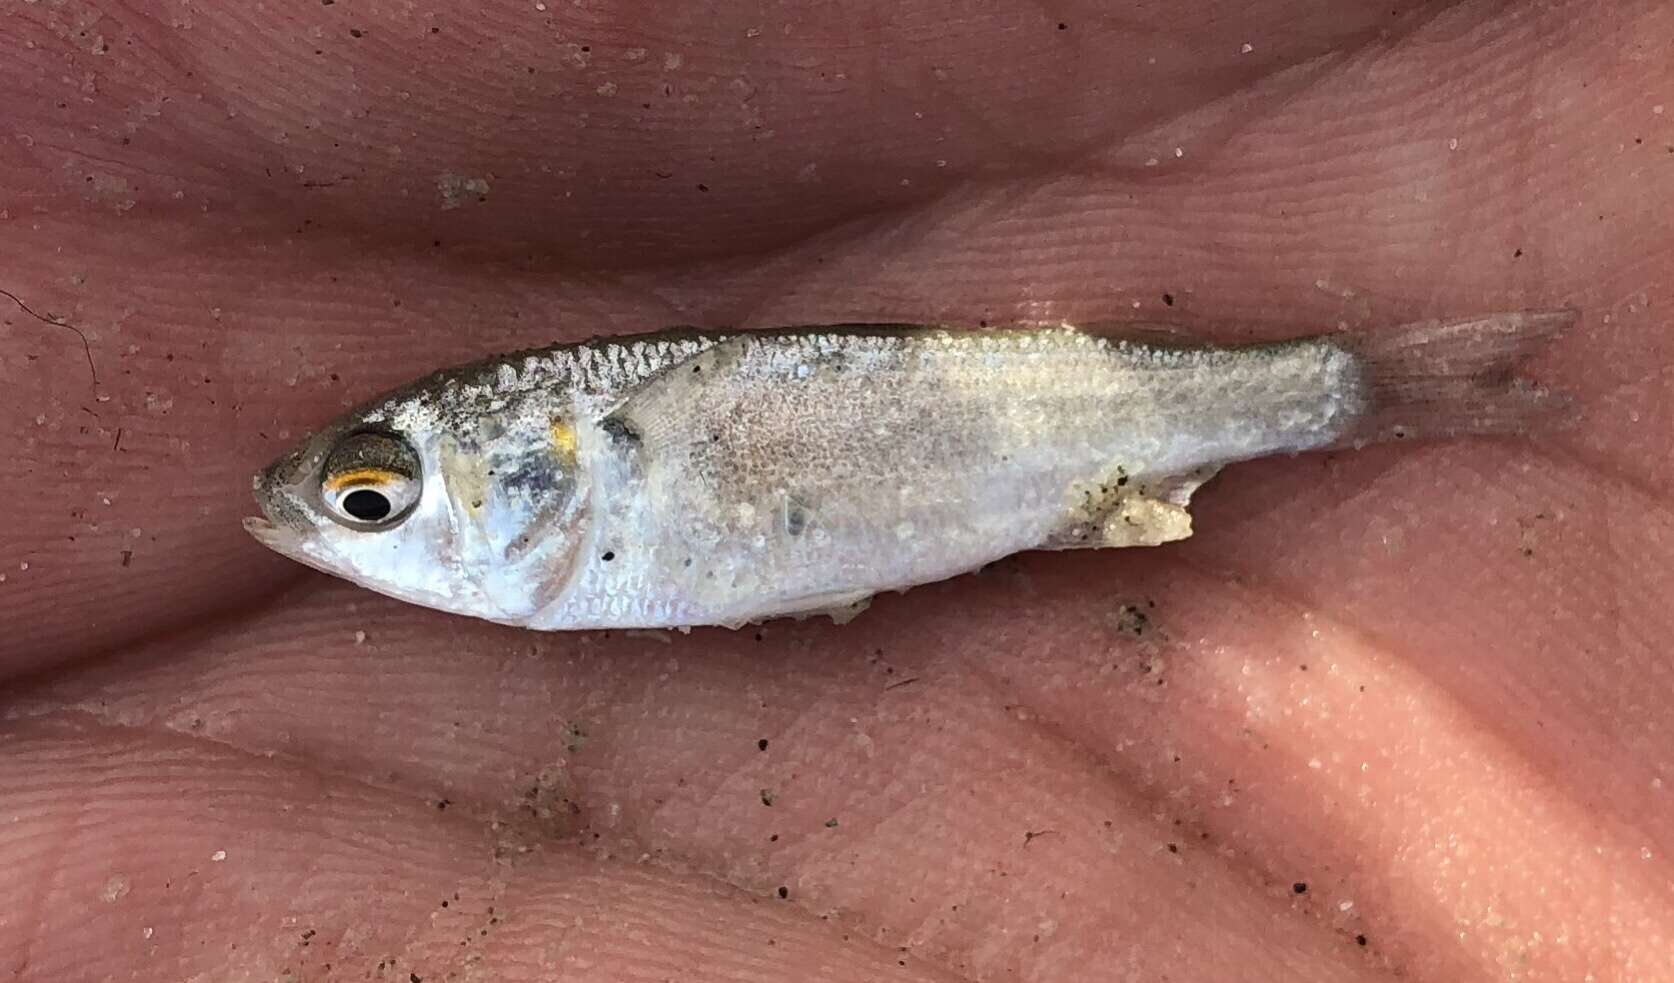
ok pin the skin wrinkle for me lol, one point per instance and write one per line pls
(46, 883)
(1097, 145)
(714, 801)
(1611, 522)
(482, 812)
(186, 628)
(1580, 456)
(1291, 84)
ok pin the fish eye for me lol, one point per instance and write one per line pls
(367, 505)
(370, 481)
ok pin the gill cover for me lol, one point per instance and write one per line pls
(518, 505)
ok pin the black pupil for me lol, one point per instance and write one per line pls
(366, 505)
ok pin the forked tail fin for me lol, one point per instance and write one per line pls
(1438, 379)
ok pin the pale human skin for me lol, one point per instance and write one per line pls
(1431, 685)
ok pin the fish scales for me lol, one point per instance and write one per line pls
(792, 470)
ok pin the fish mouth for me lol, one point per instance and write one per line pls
(286, 542)
(265, 532)
(271, 528)
(284, 523)
(276, 538)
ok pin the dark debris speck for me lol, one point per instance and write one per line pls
(1300, 887)
(1131, 620)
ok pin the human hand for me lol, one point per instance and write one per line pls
(1396, 712)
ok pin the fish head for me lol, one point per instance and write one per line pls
(476, 513)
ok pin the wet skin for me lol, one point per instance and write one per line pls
(1399, 714)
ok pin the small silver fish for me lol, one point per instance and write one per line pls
(684, 479)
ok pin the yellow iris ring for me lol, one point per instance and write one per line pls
(360, 476)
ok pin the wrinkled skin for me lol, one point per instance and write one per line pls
(1431, 684)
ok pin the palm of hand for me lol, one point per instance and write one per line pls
(1395, 712)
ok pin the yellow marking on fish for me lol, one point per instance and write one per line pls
(563, 438)
(360, 476)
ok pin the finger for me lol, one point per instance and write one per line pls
(1361, 194)
(171, 859)
(602, 132)
(931, 805)
(1514, 590)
